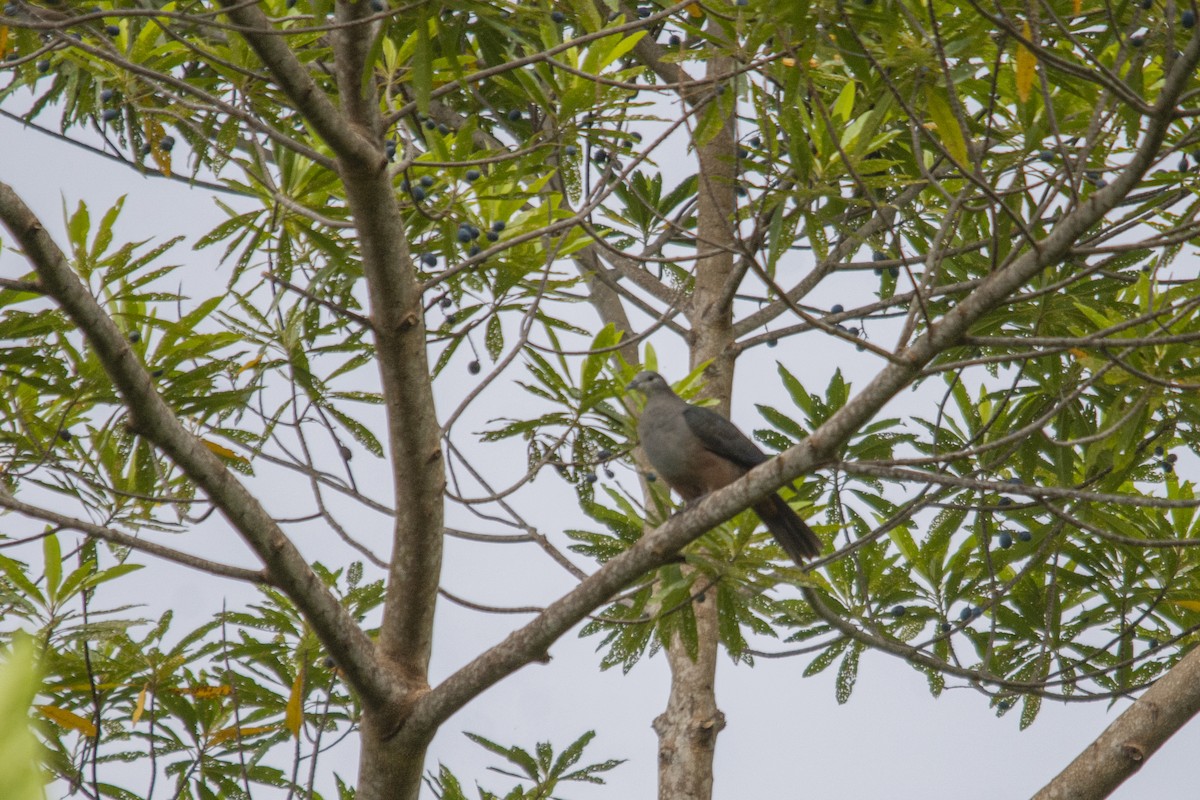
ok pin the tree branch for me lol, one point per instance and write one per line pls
(294, 79)
(153, 418)
(133, 542)
(1136, 735)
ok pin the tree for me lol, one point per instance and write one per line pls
(1011, 185)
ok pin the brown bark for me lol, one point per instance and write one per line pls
(1135, 736)
(392, 756)
(687, 730)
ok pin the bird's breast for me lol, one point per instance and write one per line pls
(680, 459)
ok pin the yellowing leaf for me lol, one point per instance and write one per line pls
(3, 40)
(251, 364)
(206, 692)
(1078, 7)
(1075, 351)
(695, 11)
(1026, 66)
(68, 720)
(219, 449)
(86, 687)
(788, 61)
(223, 451)
(294, 715)
(947, 125)
(234, 732)
(154, 138)
(140, 707)
(1190, 605)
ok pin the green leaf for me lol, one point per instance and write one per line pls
(52, 555)
(494, 338)
(1030, 706)
(422, 60)
(948, 129)
(847, 674)
(78, 226)
(825, 658)
(843, 107)
(514, 755)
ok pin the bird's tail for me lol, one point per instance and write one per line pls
(795, 537)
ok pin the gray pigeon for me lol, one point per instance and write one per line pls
(696, 451)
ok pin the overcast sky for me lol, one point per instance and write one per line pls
(786, 736)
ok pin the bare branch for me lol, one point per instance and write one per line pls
(133, 542)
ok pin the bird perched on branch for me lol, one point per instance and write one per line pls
(696, 451)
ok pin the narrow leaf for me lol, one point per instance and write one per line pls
(52, 552)
(1027, 63)
(236, 732)
(68, 720)
(948, 129)
(294, 716)
(140, 707)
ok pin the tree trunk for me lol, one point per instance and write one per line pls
(687, 730)
(391, 765)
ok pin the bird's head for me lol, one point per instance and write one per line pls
(648, 383)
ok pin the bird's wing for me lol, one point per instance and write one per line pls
(722, 437)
